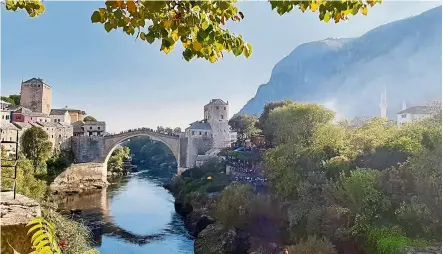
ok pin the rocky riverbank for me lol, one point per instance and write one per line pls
(212, 236)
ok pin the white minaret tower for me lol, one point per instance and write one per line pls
(403, 105)
(383, 104)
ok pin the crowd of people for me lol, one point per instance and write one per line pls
(245, 172)
(144, 129)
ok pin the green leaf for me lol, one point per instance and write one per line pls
(108, 27)
(96, 17)
(327, 17)
(142, 36)
(150, 39)
(205, 25)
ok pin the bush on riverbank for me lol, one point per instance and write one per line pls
(74, 235)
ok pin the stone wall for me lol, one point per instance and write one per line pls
(196, 146)
(80, 177)
(88, 149)
(15, 214)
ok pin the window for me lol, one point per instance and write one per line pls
(403, 116)
(193, 132)
(47, 129)
(221, 116)
(90, 128)
(60, 136)
(216, 107)
(3, 117)
(52, 136)
(10, 138)
(99, 127)
(7, 117)
(224, 108)
(200, 133)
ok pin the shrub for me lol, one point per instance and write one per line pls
(75, 235)
(312, 245)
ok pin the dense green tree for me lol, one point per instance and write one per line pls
(14, 99)
(244, 125)
(200, 26)
(36, 146)
(115, 162)
(177, 130)
(89, 119)
(263, 119)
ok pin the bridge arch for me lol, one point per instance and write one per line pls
(112, 141)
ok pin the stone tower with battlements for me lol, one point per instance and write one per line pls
(36, 95)
(216, 114)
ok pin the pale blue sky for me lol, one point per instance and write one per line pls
(131, 84)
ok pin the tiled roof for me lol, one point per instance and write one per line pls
(72, 110)
(217, 101)
(35, 81)
(417, 110)
(58, 111)
(199, 126)
(95, 123)
(22, 125)
(49, 124)
(22, 110)
(37, 114)
(8, 126)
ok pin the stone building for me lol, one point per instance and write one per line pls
(58, 133)
(210, 134)
(26, 115)
(60, 116)
(36, 95)
(9, 132)
(89, 128)
(6, 109)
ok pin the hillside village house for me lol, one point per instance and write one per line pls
(9, 133)
(58, 134)
(60, 116)
(25, 115)
(413, 114)
(5, 112)
(89, 128)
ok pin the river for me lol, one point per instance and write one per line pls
(135, 214)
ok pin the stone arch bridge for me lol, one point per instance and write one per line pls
(92, 153)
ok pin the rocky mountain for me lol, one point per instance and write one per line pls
(349, 75)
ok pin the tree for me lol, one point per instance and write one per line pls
(177, 129)
(169, 130)
(199, 25)
(13, 98)
(89, 119)
(36, 146)
(244, 125)
(160, 129)
(267, 132)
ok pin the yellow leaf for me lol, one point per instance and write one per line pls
(167, 23)
(186, 44)
(167, 50)
(364, 10)
(212, 59)
(174, 35)
(314, 6)
(196, 46)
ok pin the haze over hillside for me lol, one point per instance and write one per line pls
(348, 75)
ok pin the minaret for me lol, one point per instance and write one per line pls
(383, 104)
(403, 105)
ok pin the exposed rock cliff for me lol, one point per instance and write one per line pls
(348, 75)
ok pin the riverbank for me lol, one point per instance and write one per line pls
(225, 217)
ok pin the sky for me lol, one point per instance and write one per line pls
(129, 83)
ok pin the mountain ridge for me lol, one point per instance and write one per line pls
(348, 74)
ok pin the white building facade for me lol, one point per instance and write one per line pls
(413, 114)
(60, 116)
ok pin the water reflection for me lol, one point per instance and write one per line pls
(133, 215)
